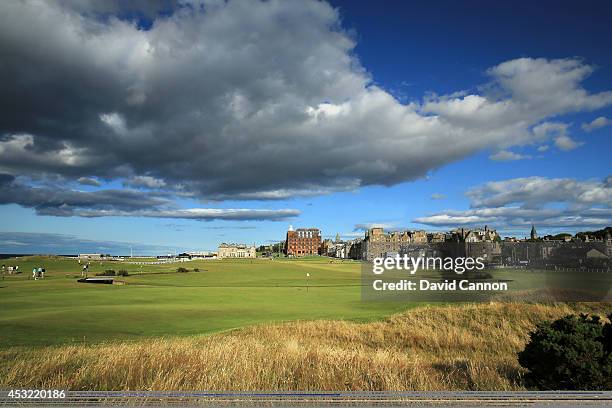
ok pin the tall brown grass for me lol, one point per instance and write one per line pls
(471, 347)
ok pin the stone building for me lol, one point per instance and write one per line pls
(349, 249)
(436, 237)
(302, 241)
(418, 237)
(490, 251)
(236, 251)
(378, 244)
(474, 235)
(327, 248)
(356, 251)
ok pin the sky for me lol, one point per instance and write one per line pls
(167, 126)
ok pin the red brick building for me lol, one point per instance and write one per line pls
(302, 241)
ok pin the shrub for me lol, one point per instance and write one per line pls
(196, 269)
(122, 272)
(182, 270)
(108, 272)
(572, 353)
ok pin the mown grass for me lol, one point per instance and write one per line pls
(468, 347)
(160, 302)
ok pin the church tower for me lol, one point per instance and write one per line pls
(534, 234)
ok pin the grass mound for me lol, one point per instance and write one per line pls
(469, 347)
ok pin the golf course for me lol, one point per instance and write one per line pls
(193, 298)
(212, 296)
(281, 324)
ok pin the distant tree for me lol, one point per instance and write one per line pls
(122, 272)
(572, 353)
(599, 234)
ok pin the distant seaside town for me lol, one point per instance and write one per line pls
(591, 249)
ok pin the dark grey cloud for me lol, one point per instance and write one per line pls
(200, 214)
(243, 100)
(548, 202)
(63, 202)
(58, 201)
(124, 9)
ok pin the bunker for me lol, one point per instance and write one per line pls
(105, 280)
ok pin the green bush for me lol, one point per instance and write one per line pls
(572, 353)
(122, 272)
(182, 270)
(196, 269)
(108, 272)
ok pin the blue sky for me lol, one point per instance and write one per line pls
(413, 52)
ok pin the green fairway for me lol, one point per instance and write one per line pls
(158, 301)
(213, 295)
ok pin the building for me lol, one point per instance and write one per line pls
(490, 251)
(418, 237)
(356, 251)
(436, 237)
(236, 251)
(302, 241)
(343, 249)
(327, 248)
(92, 257)
(474, 235)
(378, 244)
(533, 234)
(196, 255)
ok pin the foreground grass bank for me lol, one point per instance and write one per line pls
(470, 347)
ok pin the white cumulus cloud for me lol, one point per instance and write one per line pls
(506, 155)
(596, 124)
(554, 202)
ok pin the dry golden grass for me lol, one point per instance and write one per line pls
(471, 347)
